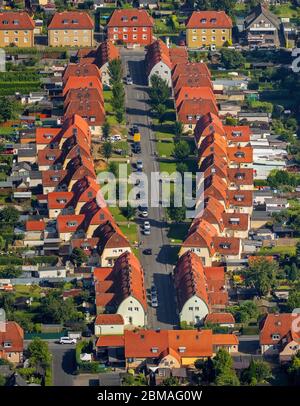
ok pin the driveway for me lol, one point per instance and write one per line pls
(157, 266)
(63, 362)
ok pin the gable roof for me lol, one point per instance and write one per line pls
(194, 108)
(80, 70)
(44, 135)
(157, 52)
(106, 319)
(85, 82)
(69, 223)
(209, 19)
(220, 318)
(261, 10)
(14, 334)
(35, 225)
(186, 93)
(75, 20)
(278, 325)
(130, 18)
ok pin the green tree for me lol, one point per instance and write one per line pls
(78, 257)
(202, 5)
(134, 380)
(258, 372)
(2, 243)
(181, 167)
(172, 381)
(107, 149)
(54, 309)
(261, 275)
(113, 168)
(160, 110)
(2, 380)
(178, 129)
(9, 215)
(294, 369)
(293, 301)
(118, 97)
(9, 109)
(120, 115)
(106, 130)
(181, 150)
(159, 91)
(115, 70)
(227, 377)
(129, 212)
(207, 370)
(232, 59)
(10, 272)
(177, 214)
(224, 372)
(39, 354)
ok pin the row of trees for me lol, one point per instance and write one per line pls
(159, 94)
(118, 91)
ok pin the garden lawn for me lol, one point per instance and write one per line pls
(130, 232)
(118, 216)
(165, 149)
(280, 249)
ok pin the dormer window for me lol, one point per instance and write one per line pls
(16, 22)
(134, 18)
(124, 18)
(47, 136)
(236, 133)
(72, 223)
(51, 158)
(213, 20)
(154, 350)
(234, 220)
(275, 336)
(55, 178)
(5, 22)
(181, 349)
(203, 20)
(7, 344)
(239, 154)
(225, 245)
(240, 175)
(239, 198)
(61, 201)
(74, 21)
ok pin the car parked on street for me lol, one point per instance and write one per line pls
(129, 80)
(139, 165)
(67, 340)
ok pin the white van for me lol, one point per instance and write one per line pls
(67, 340)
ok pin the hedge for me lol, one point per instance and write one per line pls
(11, 260)
(92, 367)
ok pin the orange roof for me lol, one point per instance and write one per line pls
(241, 198)
(216, 187)
(76, 124)
(213, 143)
(59, 200)
(206, 125)
(16, 20)
(157, 52)
(201, 234)
(190, 68)
(82, 69)
(85, 82)
(87, 102)
(85, 190)
(214, 165)
(191, 80)
(237, 133)
(178, 55)
(227, 245)
(213, 212)
(14, 334)
(209, 19)
(106, 52)
(225, 339)
(110, 341)
(35, 225)
(275, 327)
(189, 279)
(156, 344)
(44, 135)
(189, 111)
(74, 20)
(106, 319)
(240, 154)
(69, 223)
(240, 176)
(48, 157)
(130, 18)
(220, 318)
(194, 92)
(53, 177)
(236, 221)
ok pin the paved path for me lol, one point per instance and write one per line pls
(157, 266)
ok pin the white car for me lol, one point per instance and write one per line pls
(67, 340)
(147, 225)
(144, 213)
(115, 138)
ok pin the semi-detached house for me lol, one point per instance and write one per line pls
(16, 28)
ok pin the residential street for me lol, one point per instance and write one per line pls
(156, 266)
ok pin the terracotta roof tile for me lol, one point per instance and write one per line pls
(220, 318)
(35, 225)
(13, 334)
(106, 319)
(275, 327)
(13, 20)
(110, 341)
(76, 20)
(209, 19)
(130, 18)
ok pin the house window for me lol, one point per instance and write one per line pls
(204, 31)
(130, 309)
(134, 29)
(144, 36)
(190, 308)
(134, 36)
(223, 31)
(213, 31)
(116, 36)
(125, 36)
(194, 39)
(223, 39)
(125, 29)
(136, 309)
(145, 29)
(115, 29)
(6, 39)
(194, 31)
(213, 38)
(203, 38)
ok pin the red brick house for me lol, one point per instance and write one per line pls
(130, 27)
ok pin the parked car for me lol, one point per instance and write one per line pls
(129, 80)
(135, 129)
(147, 251)
(115, 138)
(147, 225)
(147, 232)
(154, 302)
(137, 148)
(144, 213)
(139, 165)
(153, 290)
(67, 340)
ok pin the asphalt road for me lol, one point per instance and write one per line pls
(157, 266)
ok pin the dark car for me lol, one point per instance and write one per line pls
(87, 333)
(147, 251)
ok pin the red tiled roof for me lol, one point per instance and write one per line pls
(276, 325)
(240, 154)
(216, 187)
(14, 20)
(59, 200)
(44, 135)
(237, 133)
(186, 93)
(69, 223)
(209, 19)
(213, 144)
(227, 245)
(220, 318)
(76, 124)
(241, 198)
(191, 80)
(189, 279)
(130, 18)
(240, 176)
(157, 52)
(207, 124)
(110, 341)
(53, 177)
(106, 319)
(85, 82)
(139, 344)
(214, 165)
(35, 225)
(48, 157)
(178, 55)
(13, 334)
(225, 339)
(236, 221)
(111, 237)
(97, 215)
(213, 212)
(195, 109)
(85, 190)
(86, 244)
(201, 234)
(80, 70)
(106, 52)
(75, 20)
(190, 68)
